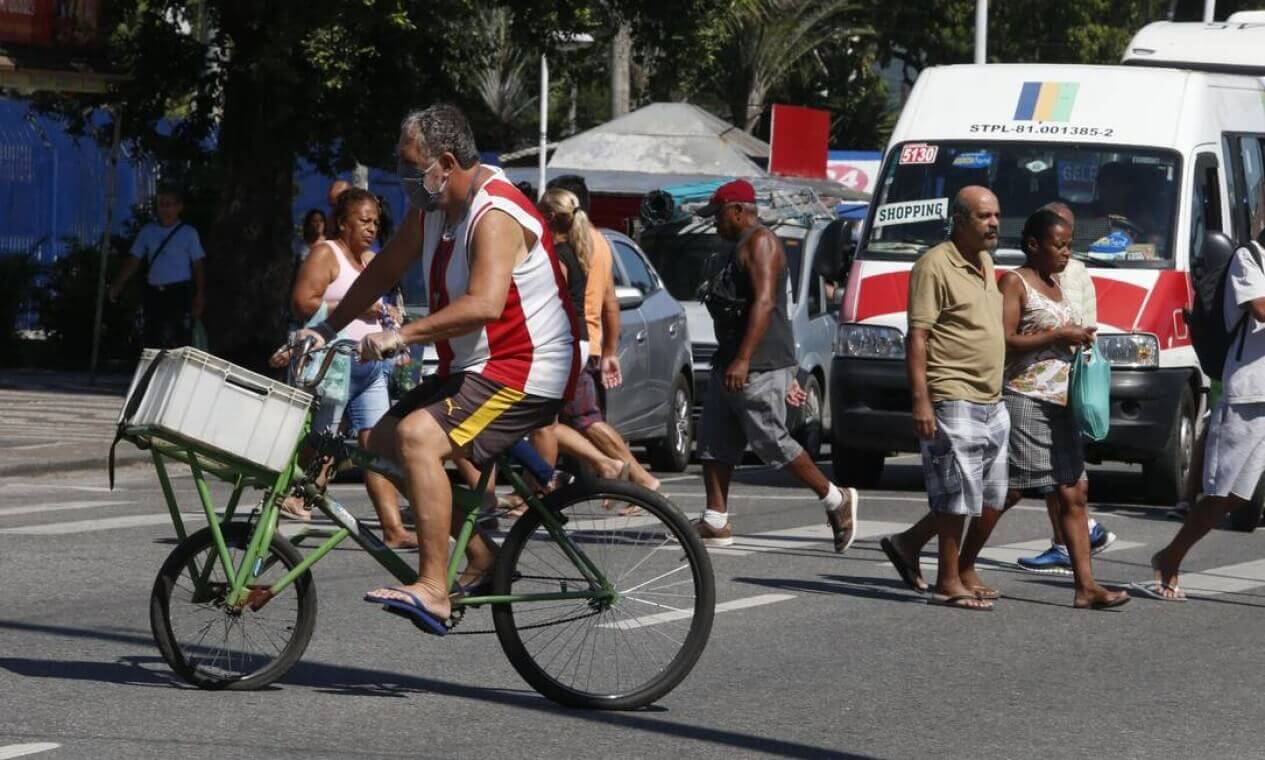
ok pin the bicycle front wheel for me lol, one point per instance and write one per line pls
(214, 646)
(613, 651)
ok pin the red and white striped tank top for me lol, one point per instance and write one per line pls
(533, 346)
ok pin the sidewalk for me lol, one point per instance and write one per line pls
(58, 422)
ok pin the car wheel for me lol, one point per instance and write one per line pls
(807, 425)
(672, 452)
(1166, 474)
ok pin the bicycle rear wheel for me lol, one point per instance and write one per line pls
(617, 654)
(214, 647)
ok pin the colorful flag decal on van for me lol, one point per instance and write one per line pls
(1046, 101)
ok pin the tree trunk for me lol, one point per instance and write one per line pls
(249, 259)
(621, 70)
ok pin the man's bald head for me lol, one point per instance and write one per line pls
(976, 219)
(337, 189)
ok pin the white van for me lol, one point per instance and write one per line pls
(1157, 158)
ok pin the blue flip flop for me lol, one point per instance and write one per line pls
(415, 611)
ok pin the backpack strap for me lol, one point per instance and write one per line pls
(134, 403)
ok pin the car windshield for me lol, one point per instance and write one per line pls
(682, 259)
(1124, 199)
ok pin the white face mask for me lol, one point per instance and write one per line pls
(415, 188)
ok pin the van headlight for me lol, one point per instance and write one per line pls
(1132, 350)
(869, 342)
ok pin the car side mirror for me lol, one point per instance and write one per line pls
(628, 298)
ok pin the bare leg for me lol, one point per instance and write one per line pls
(481, 550)
(572, 443)
(716, 482)
(1054, 512)
(386, 503)
(1074, 514)
(910, 542)
(1203, 517)
(976, 536)
(420, 449)
(608, 440)
(806, 471)
(948, 581)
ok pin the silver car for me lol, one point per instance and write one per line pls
(653, 406)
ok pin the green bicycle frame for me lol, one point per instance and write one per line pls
(242, 577)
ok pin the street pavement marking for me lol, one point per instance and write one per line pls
(1009, 554)
(22, 750)
(668, 617)
(30, 446)
(1230, 579)
(88, 526)
(94, 489)
(807, 498)
(796, 538)
(39, 508)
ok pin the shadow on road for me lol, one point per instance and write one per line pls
(352, 681)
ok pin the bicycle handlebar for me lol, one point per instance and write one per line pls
(306, 350)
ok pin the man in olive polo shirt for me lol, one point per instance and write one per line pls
(955, 354)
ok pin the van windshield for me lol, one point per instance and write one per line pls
(682, 258)
(1124, 199)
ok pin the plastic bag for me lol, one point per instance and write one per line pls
(1089, 393)
(199, 339)
(336, 385)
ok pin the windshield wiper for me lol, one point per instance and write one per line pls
(1087, 259)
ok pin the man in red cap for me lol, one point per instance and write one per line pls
(753, 370)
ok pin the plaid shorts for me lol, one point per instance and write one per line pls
(964, 464)
(1046, 448)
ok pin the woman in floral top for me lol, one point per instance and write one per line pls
(1047, 453)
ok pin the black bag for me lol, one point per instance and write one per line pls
(1212, 340)
(720, 294)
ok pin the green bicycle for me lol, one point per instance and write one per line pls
(594, 608)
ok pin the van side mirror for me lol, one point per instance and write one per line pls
(628, 298)
(1215, 249)
(834, 249)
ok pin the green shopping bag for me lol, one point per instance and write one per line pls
(337, 383)
(200, 341)
(1089, 393)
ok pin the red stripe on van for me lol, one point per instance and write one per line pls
(1162, 315)
(1118, 302)
(880, 294)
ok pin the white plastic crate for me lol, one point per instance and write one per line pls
(220, 406)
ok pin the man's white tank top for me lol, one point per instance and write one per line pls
(533, 346)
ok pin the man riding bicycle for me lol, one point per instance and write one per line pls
(500, 319)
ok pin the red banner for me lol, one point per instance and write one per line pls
(798, 139)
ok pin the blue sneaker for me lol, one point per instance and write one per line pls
(1100, 539)
(1052, 561)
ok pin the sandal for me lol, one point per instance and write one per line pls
(293, 508)
(961, 602)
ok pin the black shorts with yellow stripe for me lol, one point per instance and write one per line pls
(477, 412)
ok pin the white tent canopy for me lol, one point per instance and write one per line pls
(665, 138)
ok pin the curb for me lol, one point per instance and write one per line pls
(54, 466)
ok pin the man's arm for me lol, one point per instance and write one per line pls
(382, 273)
(610, 320)
(916, 368)
(496, 245)
(612, 374)
(765, 261)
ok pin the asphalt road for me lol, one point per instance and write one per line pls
(827, 655)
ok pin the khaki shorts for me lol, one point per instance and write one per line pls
(477, 412)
